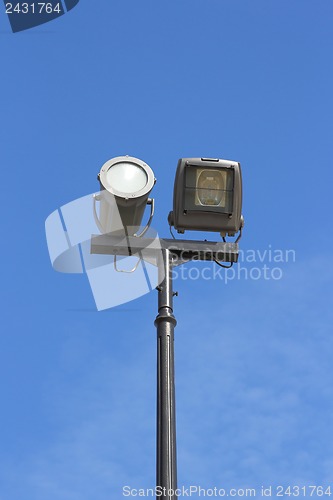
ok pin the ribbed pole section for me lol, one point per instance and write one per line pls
(166, 457)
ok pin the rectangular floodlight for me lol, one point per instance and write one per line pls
(207, 196)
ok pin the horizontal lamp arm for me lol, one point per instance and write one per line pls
(184, 250)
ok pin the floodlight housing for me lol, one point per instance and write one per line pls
(207, 196)
(125, 184)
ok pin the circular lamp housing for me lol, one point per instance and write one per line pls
(207, 196)
(125, 186)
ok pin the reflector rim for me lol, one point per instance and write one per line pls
(127, 159)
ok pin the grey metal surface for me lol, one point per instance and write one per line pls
(206, 218)
(166, 453)
(183, 249)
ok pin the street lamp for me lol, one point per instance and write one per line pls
(125, 184)
(207, 196)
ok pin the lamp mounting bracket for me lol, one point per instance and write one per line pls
(149, 248)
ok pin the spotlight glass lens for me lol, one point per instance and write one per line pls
(127, 177)
(211, 188)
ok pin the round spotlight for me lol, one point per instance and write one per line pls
(126, 176)
(125, 186)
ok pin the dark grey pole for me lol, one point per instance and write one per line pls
(183, 250)
(166, 458)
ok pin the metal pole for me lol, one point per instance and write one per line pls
(166, 459)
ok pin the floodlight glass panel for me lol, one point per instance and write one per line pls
(126, 177)
(209, 189)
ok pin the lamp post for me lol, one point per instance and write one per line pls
(207, 197)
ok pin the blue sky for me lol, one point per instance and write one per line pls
(249, 81)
